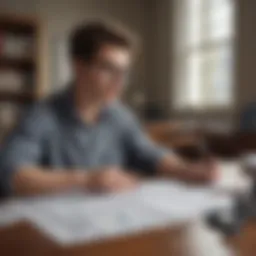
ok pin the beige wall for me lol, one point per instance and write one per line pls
(246, 70)
(159, 53)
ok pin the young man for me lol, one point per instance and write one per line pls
(83, 137)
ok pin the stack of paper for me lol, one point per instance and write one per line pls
(78, 217)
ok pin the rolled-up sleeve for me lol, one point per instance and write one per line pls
(143, 153)
(22, 148)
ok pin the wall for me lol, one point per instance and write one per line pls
(60, 16)
(246, 47)
(159, 53)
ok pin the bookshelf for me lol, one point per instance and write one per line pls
(23, 67)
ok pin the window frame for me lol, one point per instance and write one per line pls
(181, 53)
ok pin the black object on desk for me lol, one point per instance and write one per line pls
(231, 221)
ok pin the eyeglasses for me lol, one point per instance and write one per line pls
(113, 71)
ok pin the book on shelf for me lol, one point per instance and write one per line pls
(15, 46)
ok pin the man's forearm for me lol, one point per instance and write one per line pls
(175, 167)
(38, 181)
(172, 166)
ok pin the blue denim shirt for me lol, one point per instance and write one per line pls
(52, 135)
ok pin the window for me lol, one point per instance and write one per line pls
(204, 39)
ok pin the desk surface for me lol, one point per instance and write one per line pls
(24, 239)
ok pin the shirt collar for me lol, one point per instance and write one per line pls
(70, 110)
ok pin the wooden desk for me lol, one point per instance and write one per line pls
(225, 145)
(24, 239)
(244, 242)
(171, 134)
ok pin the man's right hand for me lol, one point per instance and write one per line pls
(111, 179)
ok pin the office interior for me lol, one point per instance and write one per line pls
(192, 84)
(156, 91)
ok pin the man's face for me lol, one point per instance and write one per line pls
(106, 75)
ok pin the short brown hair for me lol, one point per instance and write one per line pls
(87, 39)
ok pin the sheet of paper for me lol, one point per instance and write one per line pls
(232, 178)
(72, 220)
(182, 200)
(77, 218)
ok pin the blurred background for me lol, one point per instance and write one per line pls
(194, 80)
(196, 66)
